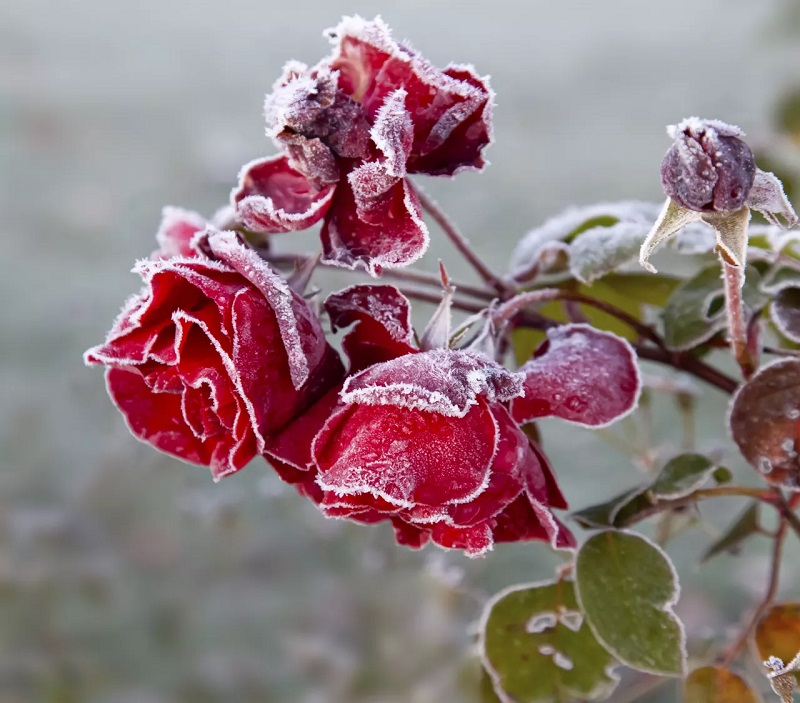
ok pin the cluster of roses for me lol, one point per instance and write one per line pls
(219, 359)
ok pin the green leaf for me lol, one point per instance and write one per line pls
(695, 312)
(537, 648)
(602, 320)
(785, 313)
(745, 526)
(604, 514)
(716, 684)
(600, 250)
(627, 587)
(682, 475)
(647, 288)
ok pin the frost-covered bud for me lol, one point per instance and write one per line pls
(709, 167)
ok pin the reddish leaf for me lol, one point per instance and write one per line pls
(764, 421)
(580, 374)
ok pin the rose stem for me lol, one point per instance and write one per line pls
(733, 277)
(504, 290)
(772, 588)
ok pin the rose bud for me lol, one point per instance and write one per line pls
(708, 167)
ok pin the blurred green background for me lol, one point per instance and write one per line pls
(128, 577)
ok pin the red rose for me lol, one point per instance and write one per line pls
(423, 440)
(214, 355)
(351, 129)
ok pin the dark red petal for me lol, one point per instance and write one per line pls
(393, 133)
(555, 498)
(450, 109)
(274, 197)
(300, 330)
(382, 315)
(440, 381)
(406, 457)
(175, 233)
(475, 541)
(292, 444)
(457, 140)
(157, 418)
(524, 520)
(409, 535)
(395, 235)
(580, 374)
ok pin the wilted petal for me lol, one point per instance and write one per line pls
(768, 197)
(382, 315)
(450, 109)
(397, 239)
(274, 197)
(445, 382)
(673, 218)
(526, 520)
(580, 374)
(404, 456)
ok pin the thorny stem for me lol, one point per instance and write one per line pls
(733, 277)
(504, 290)
(772, 588)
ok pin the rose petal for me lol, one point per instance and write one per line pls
(450, 109)
(274, 197)
(440, 381)
(580, 374)
(382, 315)
(300, 330)
(177, 230)
(475, 541)
(395, 235)
(406, 457)
(526, 520)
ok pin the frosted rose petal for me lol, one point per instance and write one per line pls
(406, 457)
(439, 381)
(274, 197)
(580, 374)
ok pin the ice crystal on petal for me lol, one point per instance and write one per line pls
(438, 381)
(580, 374)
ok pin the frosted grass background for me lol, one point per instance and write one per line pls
(129, 577)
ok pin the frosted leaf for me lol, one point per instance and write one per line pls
(763, 421)
(601, 250)
(768, 197)
(582, 375)
(436, 334)
(438, 381)
(274, 197)
(731, 229)
(672, 219)
(695, 311)
(785, 312)
(553, 235)
(406, 457)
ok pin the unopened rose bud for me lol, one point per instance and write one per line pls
(709, 168)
